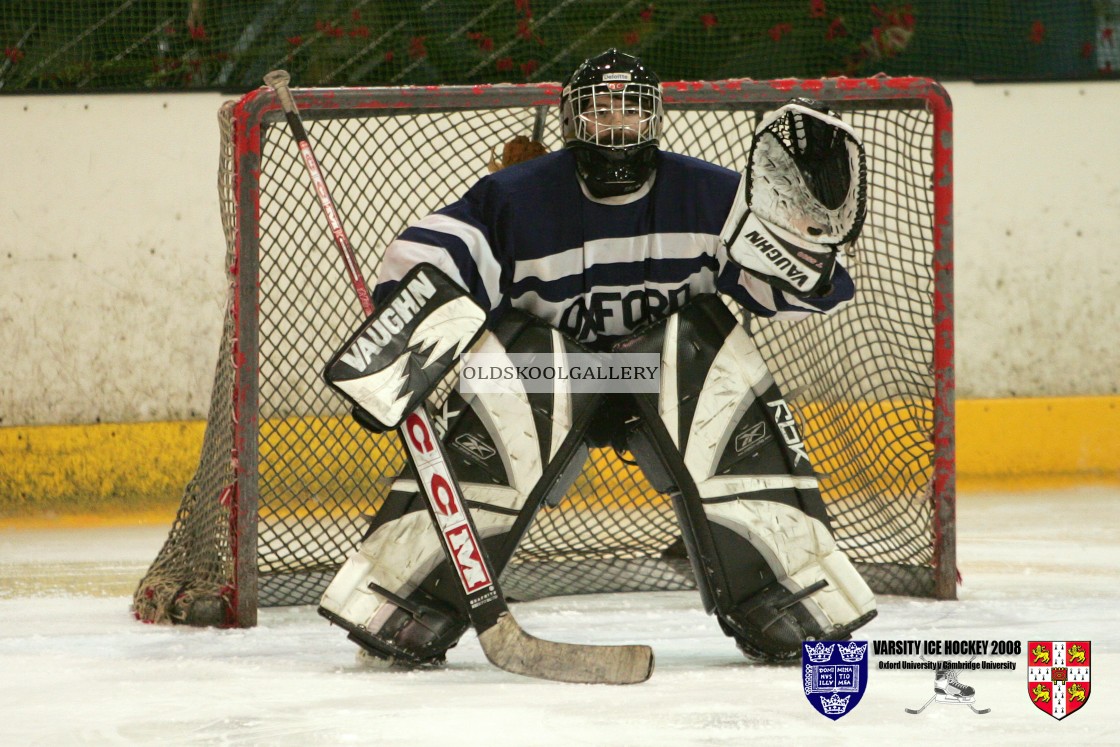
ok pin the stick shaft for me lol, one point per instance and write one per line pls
(278, 81)
(503, 641)
(425, 451)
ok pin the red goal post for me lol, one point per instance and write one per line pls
(285, 479)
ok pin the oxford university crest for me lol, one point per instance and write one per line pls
(834, 675)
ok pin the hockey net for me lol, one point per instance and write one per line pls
(285, 479)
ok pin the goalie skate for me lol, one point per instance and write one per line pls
(402, 633)
(769, 624)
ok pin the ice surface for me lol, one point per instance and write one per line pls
(75, 668)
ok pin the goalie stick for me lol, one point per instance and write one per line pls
(503, 641)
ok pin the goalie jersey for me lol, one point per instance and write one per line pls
(530, 237)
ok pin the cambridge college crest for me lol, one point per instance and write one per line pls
(1058, 676)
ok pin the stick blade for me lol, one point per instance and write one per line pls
(509, 647)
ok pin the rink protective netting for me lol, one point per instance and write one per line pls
(114, 45)
(286, 480)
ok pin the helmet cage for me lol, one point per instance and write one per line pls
(610, 117)
(612, 114)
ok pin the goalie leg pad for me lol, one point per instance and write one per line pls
(806, 587)
(748, 499)
(397, 595)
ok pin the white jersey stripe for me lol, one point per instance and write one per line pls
(551, 267)
(481, 251)
(401, 256)
(654, 247)
(700, 282)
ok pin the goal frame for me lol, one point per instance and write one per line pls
(260, 109)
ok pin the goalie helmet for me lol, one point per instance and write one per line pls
(808, 176)
(610, 116)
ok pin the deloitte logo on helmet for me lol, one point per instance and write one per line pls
(610, 116)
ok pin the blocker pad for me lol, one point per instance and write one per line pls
(396, 358)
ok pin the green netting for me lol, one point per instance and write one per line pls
(227, 45)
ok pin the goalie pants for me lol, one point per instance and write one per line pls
(718, 437)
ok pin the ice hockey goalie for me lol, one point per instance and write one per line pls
(613, 244)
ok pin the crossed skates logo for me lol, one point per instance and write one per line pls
(834, 675)
(947, 689)
(1058, 676)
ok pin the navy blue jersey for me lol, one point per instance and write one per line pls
(530, 237)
